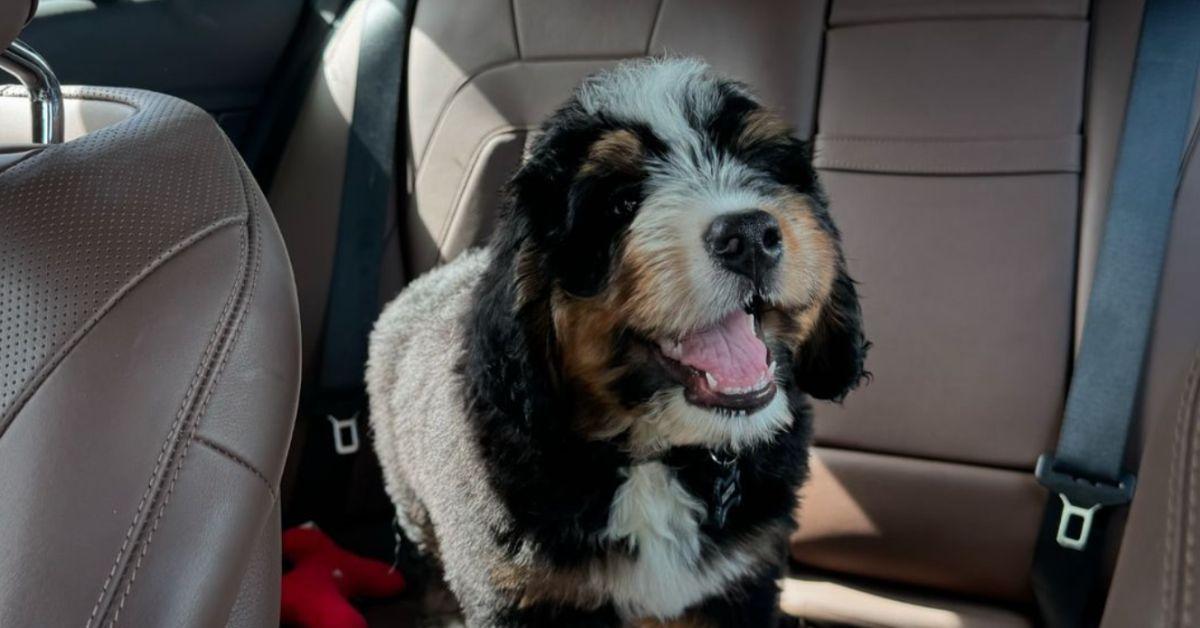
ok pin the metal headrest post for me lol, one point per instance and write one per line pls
(45, 95)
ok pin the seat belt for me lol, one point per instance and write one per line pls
(1084, 474)
(336, 402)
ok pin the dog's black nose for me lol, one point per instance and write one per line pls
(747, 243)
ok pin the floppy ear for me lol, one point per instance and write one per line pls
(557, 206)
(829, 364)
(506, 362)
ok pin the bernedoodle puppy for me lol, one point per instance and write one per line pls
(601, 419)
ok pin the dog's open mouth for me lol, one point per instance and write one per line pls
(726, 366)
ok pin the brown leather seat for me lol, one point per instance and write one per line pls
(967, 147)
(149, 366)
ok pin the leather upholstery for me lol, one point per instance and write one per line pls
(481, 77)
(257, 600)
(149, 367)
(913, 521)
(952, 159)
(14, 15)
(826, 600)
(80, 116)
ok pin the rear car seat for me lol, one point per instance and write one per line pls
(967, 147)
(149, 368)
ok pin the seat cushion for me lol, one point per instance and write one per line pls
(823, 599)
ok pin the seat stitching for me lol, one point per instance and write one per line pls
(936, 170)
(236, 459)
(983, 17)
(147, 536)
(81, 93)
(1187, 414)
(941, 164)
(488, 69)
(1186, 447)
(1174, 490)
(19, 401)
(165, 256)
(901, 141)
(654, 26)
(74, 93)
(158, 463)
(456, 205)
(1189, 553)
(228, 330)
(1173, 479)
(512, 11)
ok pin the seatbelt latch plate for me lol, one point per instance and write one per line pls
(345, 434)
(1081, 499)
(1069, 511)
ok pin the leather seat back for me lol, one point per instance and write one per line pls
(951, 146)
(149, 367)
(969, 162)
(482, 75)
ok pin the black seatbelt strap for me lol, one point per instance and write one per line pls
(337, 400)
(1084, 474)
(368, 193)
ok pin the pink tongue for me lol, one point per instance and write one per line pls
(729, 351)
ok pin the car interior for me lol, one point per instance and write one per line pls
(176, 278)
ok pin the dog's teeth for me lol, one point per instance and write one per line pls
(771, 370)
(712, 381)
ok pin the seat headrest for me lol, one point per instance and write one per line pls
(14, 15)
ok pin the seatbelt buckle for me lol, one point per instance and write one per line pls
(345, 434)
(1081, 499)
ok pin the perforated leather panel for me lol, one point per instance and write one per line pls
(84, 220)
(149, 371)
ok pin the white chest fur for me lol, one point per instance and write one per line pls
(654, 514)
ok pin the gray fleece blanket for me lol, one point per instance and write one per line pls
(421, 432)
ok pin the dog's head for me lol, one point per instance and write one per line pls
(668, 267)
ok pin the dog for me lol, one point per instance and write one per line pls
(602, 418)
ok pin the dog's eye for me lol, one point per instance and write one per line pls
(626, 206)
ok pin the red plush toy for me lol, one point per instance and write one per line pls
(323, 576)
